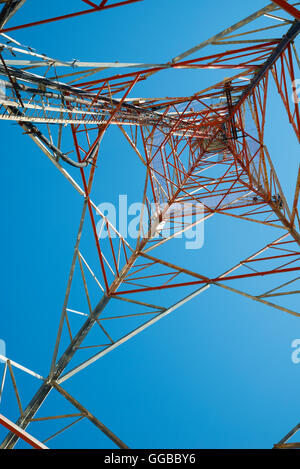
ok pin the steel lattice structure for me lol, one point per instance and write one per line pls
(206, 149)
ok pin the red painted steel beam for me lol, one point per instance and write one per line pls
(207, 280)
(85, 184)
(288, 8)
(12, 427)
(70, 15)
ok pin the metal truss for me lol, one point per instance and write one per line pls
(284, 442)
(207, 149)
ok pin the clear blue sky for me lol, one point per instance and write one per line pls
(218, 372)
